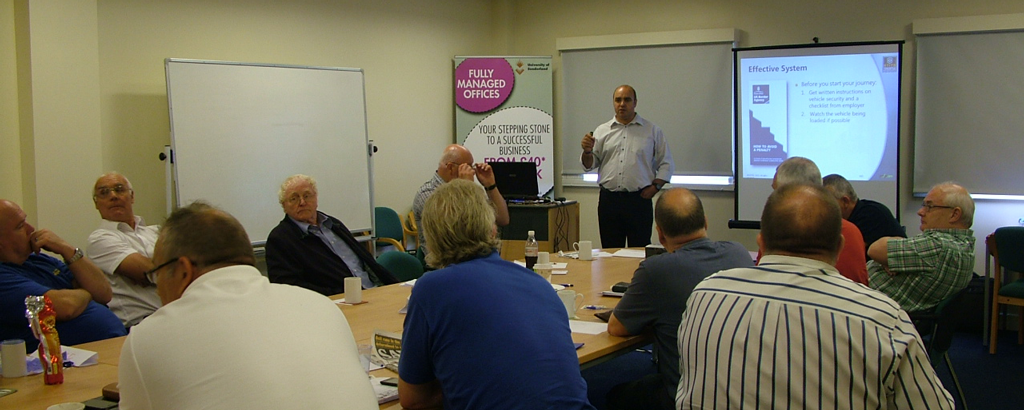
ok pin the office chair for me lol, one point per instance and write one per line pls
(403, 265)
(410, 228)
(936, 327)
(388, 227)
(1008, 252)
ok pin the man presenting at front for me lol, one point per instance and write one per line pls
(633, 162)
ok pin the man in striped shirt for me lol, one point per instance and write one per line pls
(793, 333)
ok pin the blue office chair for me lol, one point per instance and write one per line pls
(403, 265)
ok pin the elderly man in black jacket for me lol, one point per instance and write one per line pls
(314, 250)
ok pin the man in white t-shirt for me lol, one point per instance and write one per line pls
(122, 247)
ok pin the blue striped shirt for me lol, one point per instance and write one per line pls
(794, 333)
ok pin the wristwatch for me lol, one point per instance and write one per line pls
(74, 258)
(658, 186)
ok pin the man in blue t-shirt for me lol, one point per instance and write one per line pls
(76, 286)
(481, 332)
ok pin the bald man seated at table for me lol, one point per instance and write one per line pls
(852, 262)
(656, 297)
(76, 286)
(791, 333)
(227, 338)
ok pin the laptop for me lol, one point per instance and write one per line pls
(517, 181)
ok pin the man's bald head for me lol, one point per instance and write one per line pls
(801, 220)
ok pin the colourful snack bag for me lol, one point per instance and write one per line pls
(43, 321)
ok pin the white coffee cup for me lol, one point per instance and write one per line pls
(543, 257)
(12, 353)
(572, 301)
(544, 269)
(67, 406)
(353, 290)
(585, 250)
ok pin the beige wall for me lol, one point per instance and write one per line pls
(405, 48)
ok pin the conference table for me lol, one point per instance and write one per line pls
(379, 312)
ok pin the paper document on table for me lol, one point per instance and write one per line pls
(384, 393)
(631, 253)
(589, 328)
(80, 357)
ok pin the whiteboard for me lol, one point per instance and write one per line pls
(239, 129)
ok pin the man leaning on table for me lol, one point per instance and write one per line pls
(793, 333)
(481, 332)
(227, 338)
(76, 286)
(123, 248)
(657, 295)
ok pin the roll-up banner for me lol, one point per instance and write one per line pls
(503, 111)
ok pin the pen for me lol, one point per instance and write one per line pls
(595, 307)
(568, 285)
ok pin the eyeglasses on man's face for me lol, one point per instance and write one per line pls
(929, 206)
(106, 191)
(305, 197)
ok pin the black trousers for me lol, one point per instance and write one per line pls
(647, 393)
(624, 216)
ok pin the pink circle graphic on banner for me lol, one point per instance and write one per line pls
(483, 84)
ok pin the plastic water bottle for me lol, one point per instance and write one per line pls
(531, 250)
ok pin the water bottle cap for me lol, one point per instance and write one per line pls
(529, 233)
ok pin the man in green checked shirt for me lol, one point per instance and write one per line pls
(921, 271)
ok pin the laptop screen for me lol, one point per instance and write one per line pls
(516, 180)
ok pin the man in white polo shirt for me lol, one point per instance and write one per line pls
(123, 248)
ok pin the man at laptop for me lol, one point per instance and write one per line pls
(457, 162)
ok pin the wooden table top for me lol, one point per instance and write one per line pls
(379, 312)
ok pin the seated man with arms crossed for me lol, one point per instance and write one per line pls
(921, 271)
(226, 338)
(793, 333)
(76, 286)
(123, 248)
(311, 249)
(657, 295)
(873, 219)
(481, 332)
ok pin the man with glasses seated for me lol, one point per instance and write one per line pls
(921, 271)
(123, 248)
(311, 249)
(457, 162)
(76, 286)
(226, 338)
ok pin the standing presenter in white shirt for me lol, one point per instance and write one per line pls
(633, 163)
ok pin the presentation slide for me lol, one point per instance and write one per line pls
(835, 104)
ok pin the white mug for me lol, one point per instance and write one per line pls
(353, 290)
(543, 257)
(585, 250)
(544, 270)
(572, 301)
